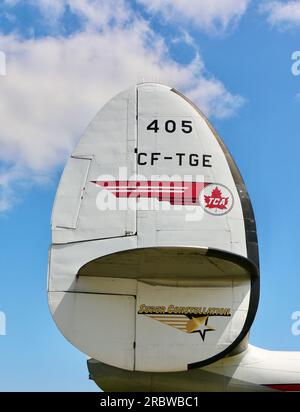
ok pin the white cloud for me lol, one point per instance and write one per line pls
(214, 99)
(209, 15)
(96, 14)
(52, 9)
(7, 194)
(54, 86)
(100, 13)
(282, 14)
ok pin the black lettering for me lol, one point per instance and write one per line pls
(194, 160)
(170, 126)
(154, 157)
(186, 126)
(139, 159)
(180, 155)
(206, 160)
(153, 126)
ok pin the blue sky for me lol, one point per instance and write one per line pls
(64, 60)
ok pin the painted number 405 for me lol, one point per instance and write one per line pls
(170, 126)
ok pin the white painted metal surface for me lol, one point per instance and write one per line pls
(253, 370)
(106, 321)
(178, 226)
(149, 174)
(168, 341)
(107, 144)
(273, 369)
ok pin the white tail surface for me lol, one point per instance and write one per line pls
(154, 263)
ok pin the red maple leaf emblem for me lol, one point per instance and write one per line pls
(216, 200)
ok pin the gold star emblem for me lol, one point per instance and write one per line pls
(185, 324)
(199, 325)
